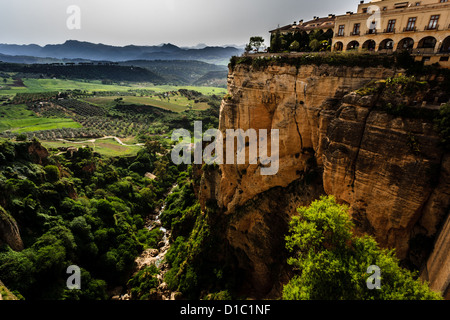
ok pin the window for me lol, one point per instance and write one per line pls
(411, 26)
(356, 29)
(443, 59)
(341, 30)
(373, 28)
(364, 10)
(442, 1)
(433, 22)
(401, 5)
(391, 26)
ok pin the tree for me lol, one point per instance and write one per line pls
(256, 43)
(295, 46)
(21, 137)
(314, 44)
(443, 125)
(52, 173)
(275, 42)
(248, 48)
(332, 263)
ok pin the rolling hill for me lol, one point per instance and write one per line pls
(72, 49)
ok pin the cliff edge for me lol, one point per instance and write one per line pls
(388, 167)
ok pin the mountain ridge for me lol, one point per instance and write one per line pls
(74, 49)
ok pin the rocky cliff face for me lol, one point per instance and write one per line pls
(9, 231)
(389, 170)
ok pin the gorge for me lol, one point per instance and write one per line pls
(335, 139)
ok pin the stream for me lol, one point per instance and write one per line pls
(156, 255)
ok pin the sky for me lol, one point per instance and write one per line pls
(153, 22)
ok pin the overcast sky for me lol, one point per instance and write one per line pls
(152, 22)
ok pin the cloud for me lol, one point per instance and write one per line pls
(147, 22)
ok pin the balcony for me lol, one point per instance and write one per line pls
(355, 33)
(391, 30)
(427, 28)
(372, 31)
(412, 29)
(423, 51)
(340, 34)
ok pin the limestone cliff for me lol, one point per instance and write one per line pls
(9, 231)
(388, 169)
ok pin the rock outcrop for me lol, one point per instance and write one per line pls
(389, 170)
(9, 231)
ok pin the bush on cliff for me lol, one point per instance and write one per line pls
(443, 125)
(332, 263)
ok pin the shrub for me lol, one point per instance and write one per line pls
(52, 173)
(21, 137)
(143, 281)
(331, 262)
(443, 125)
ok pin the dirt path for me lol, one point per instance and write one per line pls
(103, 138)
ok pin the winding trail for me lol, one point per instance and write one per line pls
(104, 138)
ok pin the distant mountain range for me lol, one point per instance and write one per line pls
(175, 72)
(71, 50)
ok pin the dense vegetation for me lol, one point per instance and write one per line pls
(443, 124)
(332, 263)
(192, 257)
(85, 71)
(182, 72)
(402, 60)
(318, 40)
(78, 209)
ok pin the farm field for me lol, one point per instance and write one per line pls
(46, 85)
(51, 111)
(107, 147)
(17, 118)
(175, 104)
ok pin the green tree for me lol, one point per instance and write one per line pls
(21, 137)
(52, 173)
(314, 44)
(275, 42)
(443, 125)
(295, 46)
(256, 43)
(331, 262)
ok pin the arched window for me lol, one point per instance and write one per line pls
(386, 44)
(427, 43)
(353, 45)
(338, 46)
(369, 45)
(445, 48)
(406, 44)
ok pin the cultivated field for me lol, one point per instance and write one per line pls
(87, 111)
(17, 118)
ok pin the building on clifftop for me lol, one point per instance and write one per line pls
(419, 27)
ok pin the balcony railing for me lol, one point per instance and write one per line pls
(423, 51)
(340, 35)
(371, 31)
(436, 27)
(389, 30)
(413, 29)
(355, 33)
